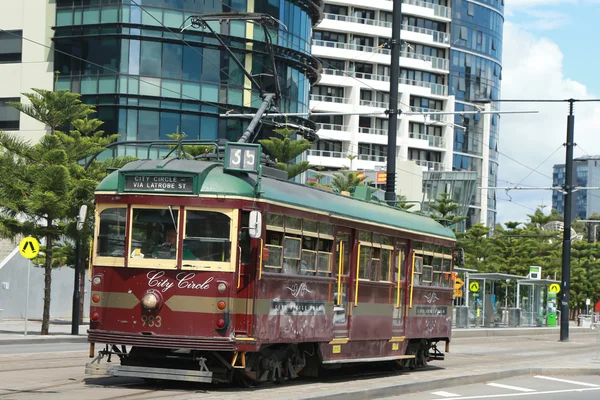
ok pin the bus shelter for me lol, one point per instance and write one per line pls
(491, 299)
(536, 299)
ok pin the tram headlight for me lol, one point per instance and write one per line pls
(222, 287)
(150, 301)
(97, 280)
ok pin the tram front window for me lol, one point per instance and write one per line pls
(111, 233)
(154, 233)
(207, 235)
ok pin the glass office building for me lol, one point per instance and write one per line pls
(586, 172)
(150, 72)
(475, 74)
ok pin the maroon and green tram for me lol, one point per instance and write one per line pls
(203, 272)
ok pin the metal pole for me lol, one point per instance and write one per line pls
(390, 186)
(267, 98)
(27, 294)
(76, 294)
(566, 250)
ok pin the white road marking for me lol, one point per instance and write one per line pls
(518, 389)
(550, 378)
(445, 394)
(491, 396)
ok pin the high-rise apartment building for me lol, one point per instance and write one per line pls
(586, 173)
(451, 55)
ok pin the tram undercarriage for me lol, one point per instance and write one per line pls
(273, 363)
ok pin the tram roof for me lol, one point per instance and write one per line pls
(211, 179)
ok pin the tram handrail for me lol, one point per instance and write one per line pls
(340, 264)
(412, 279)
(260, 264)
(398, 280)
(357, 273)
(239, 280)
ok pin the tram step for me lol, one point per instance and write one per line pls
(146, 372)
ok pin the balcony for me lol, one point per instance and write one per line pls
(326, 153)
(434, 117)
(434, 141)
(357, 20)
(430, 165)
(437, 36)
(439, 11)
(334, 127)
(350, 46)
(329, 99)
(436, 88)
(373, 131)
(436, 62)
(373, 103)
(369, 157)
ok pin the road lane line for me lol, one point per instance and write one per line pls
(494, 396)
(445, 394)
(518, 389)
(550, 378)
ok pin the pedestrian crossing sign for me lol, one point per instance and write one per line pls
(29, 247)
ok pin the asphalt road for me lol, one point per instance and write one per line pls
(57, 371)
(525, 387)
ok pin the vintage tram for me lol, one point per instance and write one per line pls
(224, 271)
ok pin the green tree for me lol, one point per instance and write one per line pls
(54, 109)
(345, 180)
(41, 188)
(190, 150)
(403, 204)
(284, 150)
(444, 209)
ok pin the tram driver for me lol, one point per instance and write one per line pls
(168, 250)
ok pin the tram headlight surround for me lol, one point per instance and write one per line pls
(151, 300)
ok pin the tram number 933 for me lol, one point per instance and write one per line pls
(151, 321)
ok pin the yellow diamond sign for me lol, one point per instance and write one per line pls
(29, 247)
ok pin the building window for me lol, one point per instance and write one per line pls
(11, 47)
(9, 116)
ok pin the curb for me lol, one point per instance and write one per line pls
(505, 332)
(40, 340)
(416, 387)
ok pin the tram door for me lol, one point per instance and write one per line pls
(343, 251)
(401, 288)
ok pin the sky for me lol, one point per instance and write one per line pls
(550, 51)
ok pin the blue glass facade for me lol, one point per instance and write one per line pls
(586, 174)
(475, 74)
(146, 82)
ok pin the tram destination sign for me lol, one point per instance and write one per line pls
(159, 183)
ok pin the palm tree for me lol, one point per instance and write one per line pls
(351, 157)
(345, 180)
(403, 204)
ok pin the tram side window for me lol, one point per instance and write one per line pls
(418, 270)
(111, 234)
(273, 257)
(400, 261)
(427, 272)
(291, 254)
(207, 236)
(154, 233)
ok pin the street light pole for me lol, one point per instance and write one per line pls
(76, 291)
(568, 217)
(390, 184)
